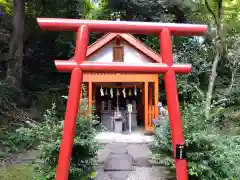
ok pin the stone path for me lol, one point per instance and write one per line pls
(124, 158)
(135, 137)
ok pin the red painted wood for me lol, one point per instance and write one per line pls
(58, 24)
(118, 41)
(81, 44)
(151, 68)
(172, 102)
(69, 125)
(65, 153)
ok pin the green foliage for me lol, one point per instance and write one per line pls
(84, 148)
(190, 50)
(47, 135)
(210, 155)
(151, 10)
(6, 6)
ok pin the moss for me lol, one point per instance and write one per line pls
(18, 172)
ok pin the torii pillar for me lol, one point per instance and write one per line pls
(77, 67)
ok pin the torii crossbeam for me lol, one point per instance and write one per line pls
(78, 66)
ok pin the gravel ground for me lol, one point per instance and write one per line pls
(148, 173)
(140, 173)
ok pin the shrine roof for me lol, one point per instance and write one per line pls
(130, 39)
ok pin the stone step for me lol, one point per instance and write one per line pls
(142, 162)
(118, 162)
(119, 151)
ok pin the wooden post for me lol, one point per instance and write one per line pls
(150, 105)
(156, 92)
(94, 94)
(75, 90)
(146, 105)
(173, 104)
(90, 95)
(141, 113)
(142, 94)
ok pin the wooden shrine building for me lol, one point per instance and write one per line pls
(109, 92)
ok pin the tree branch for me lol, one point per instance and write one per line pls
(211, 11)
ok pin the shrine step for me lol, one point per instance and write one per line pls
(119, 160)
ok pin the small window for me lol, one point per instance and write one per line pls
(118, 53)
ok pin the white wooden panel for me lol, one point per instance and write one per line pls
(131, 55)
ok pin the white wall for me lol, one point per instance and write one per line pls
(131, 55)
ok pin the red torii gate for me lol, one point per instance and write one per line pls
(78, 66)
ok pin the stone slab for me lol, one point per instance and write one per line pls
(135, 137)
(142, 162)
(119, 151)
(119, 148)
(111, 148)
(118, 162)
(139, 151)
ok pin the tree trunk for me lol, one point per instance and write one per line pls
(211, 84)
(232, 82)
(15, 54)
(219, 52)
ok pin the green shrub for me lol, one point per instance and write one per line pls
(84, 150)
(48, 136)
(210, 155)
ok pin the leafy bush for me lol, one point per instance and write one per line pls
(210, 155)
(48, 135)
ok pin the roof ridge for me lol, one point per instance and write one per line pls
(136, 39)
(105, 35)
(129, 38)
